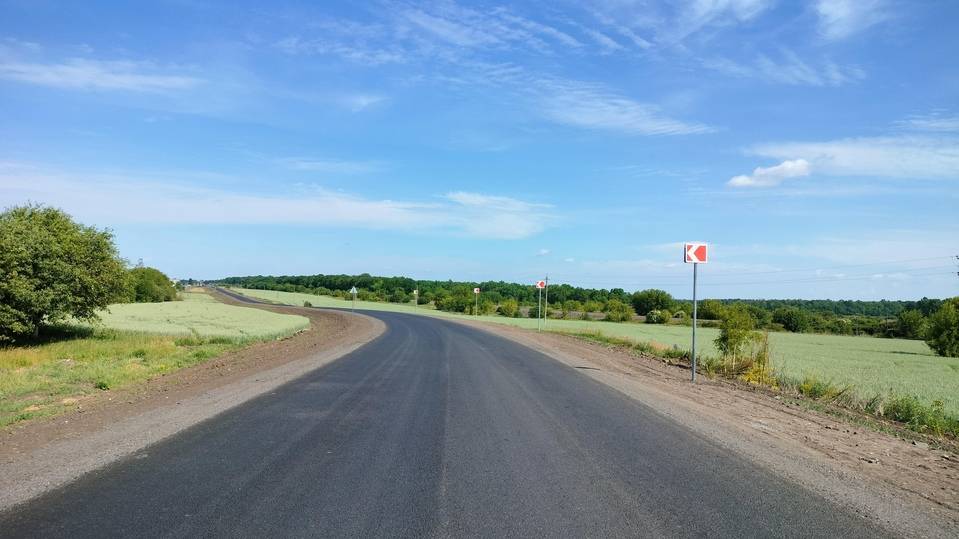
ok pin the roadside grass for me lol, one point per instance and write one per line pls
(894, 379)
(129, 346)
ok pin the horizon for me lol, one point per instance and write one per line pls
(814, 146)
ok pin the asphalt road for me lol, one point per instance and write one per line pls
(434, 429)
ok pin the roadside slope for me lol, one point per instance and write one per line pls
(41, 455)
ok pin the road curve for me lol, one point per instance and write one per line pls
(434, 429)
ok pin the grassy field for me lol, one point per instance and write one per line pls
(133, 343)
(872, 366)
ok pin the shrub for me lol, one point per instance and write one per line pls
(710, 309)
(942, 333)
(509, 308)
(617, 311)
(658, 317)
(735, 332)
(792, 318)
(52, 268)
(307, 304)
(150, 285)
(650, 300)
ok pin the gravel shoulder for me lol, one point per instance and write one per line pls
(44, 454)
(912, 490)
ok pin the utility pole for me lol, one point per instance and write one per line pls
(539, 310)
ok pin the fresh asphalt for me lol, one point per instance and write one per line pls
(435, 429)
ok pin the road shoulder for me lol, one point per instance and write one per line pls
(908, 489)
(42, 455)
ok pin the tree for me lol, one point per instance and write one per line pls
(736, 331)
(942, 334)
(651, 299)
(792, 319)
(150, 285)
(710, 309)
(52, 268)
(911, 324)
(657, 316)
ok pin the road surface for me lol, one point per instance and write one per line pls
(435, 429)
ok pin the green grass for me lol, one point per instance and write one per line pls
(132, 344)
(869, 366)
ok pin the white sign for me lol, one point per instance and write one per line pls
(695, 253)
(353, 290)
(540, 284)
(476, 290)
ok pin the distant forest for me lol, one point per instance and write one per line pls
(400, 290)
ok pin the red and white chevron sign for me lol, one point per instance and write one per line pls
(695, 253)
(540, 284)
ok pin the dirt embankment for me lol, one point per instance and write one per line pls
(41, 455)
(913, 490)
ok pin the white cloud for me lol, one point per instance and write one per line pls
(110, 199)
(772, 176)
(907, 156)
(543, 252)
(96, 75)
(839, 19)
(789, 69)
(569, 260)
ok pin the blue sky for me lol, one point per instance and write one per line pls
(814, 145)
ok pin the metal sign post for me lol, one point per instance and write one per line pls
(695, 254)
(540, 285)
(353, 291)
(416, 298)
(476, 292)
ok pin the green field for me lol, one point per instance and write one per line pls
(133, 343)
(872, 366)
(200, 314)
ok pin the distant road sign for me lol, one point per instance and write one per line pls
(476, 290)
(695, 253)
(540, 284)
(353, 290)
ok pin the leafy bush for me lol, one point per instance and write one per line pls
(710, 309)
(792, 318)
(657, 316)
(942, 334)
(52, 268)
(736, 332)
(150, 285)
(307, 304)
(617, 311)
(652, 299)
(509, 308)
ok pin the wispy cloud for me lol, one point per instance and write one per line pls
(772, 176)
(85, 74)
(594, 106)
(906, 156)
(158, 200)
(330, 166)
(839, 19)
(938, 121)
(789, 69)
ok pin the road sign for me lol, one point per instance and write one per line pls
(353, 290)
(476, 290)
(540, 284)
(695, 253)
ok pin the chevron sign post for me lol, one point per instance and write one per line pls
(695, 254)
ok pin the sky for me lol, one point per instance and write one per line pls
(814, 145)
